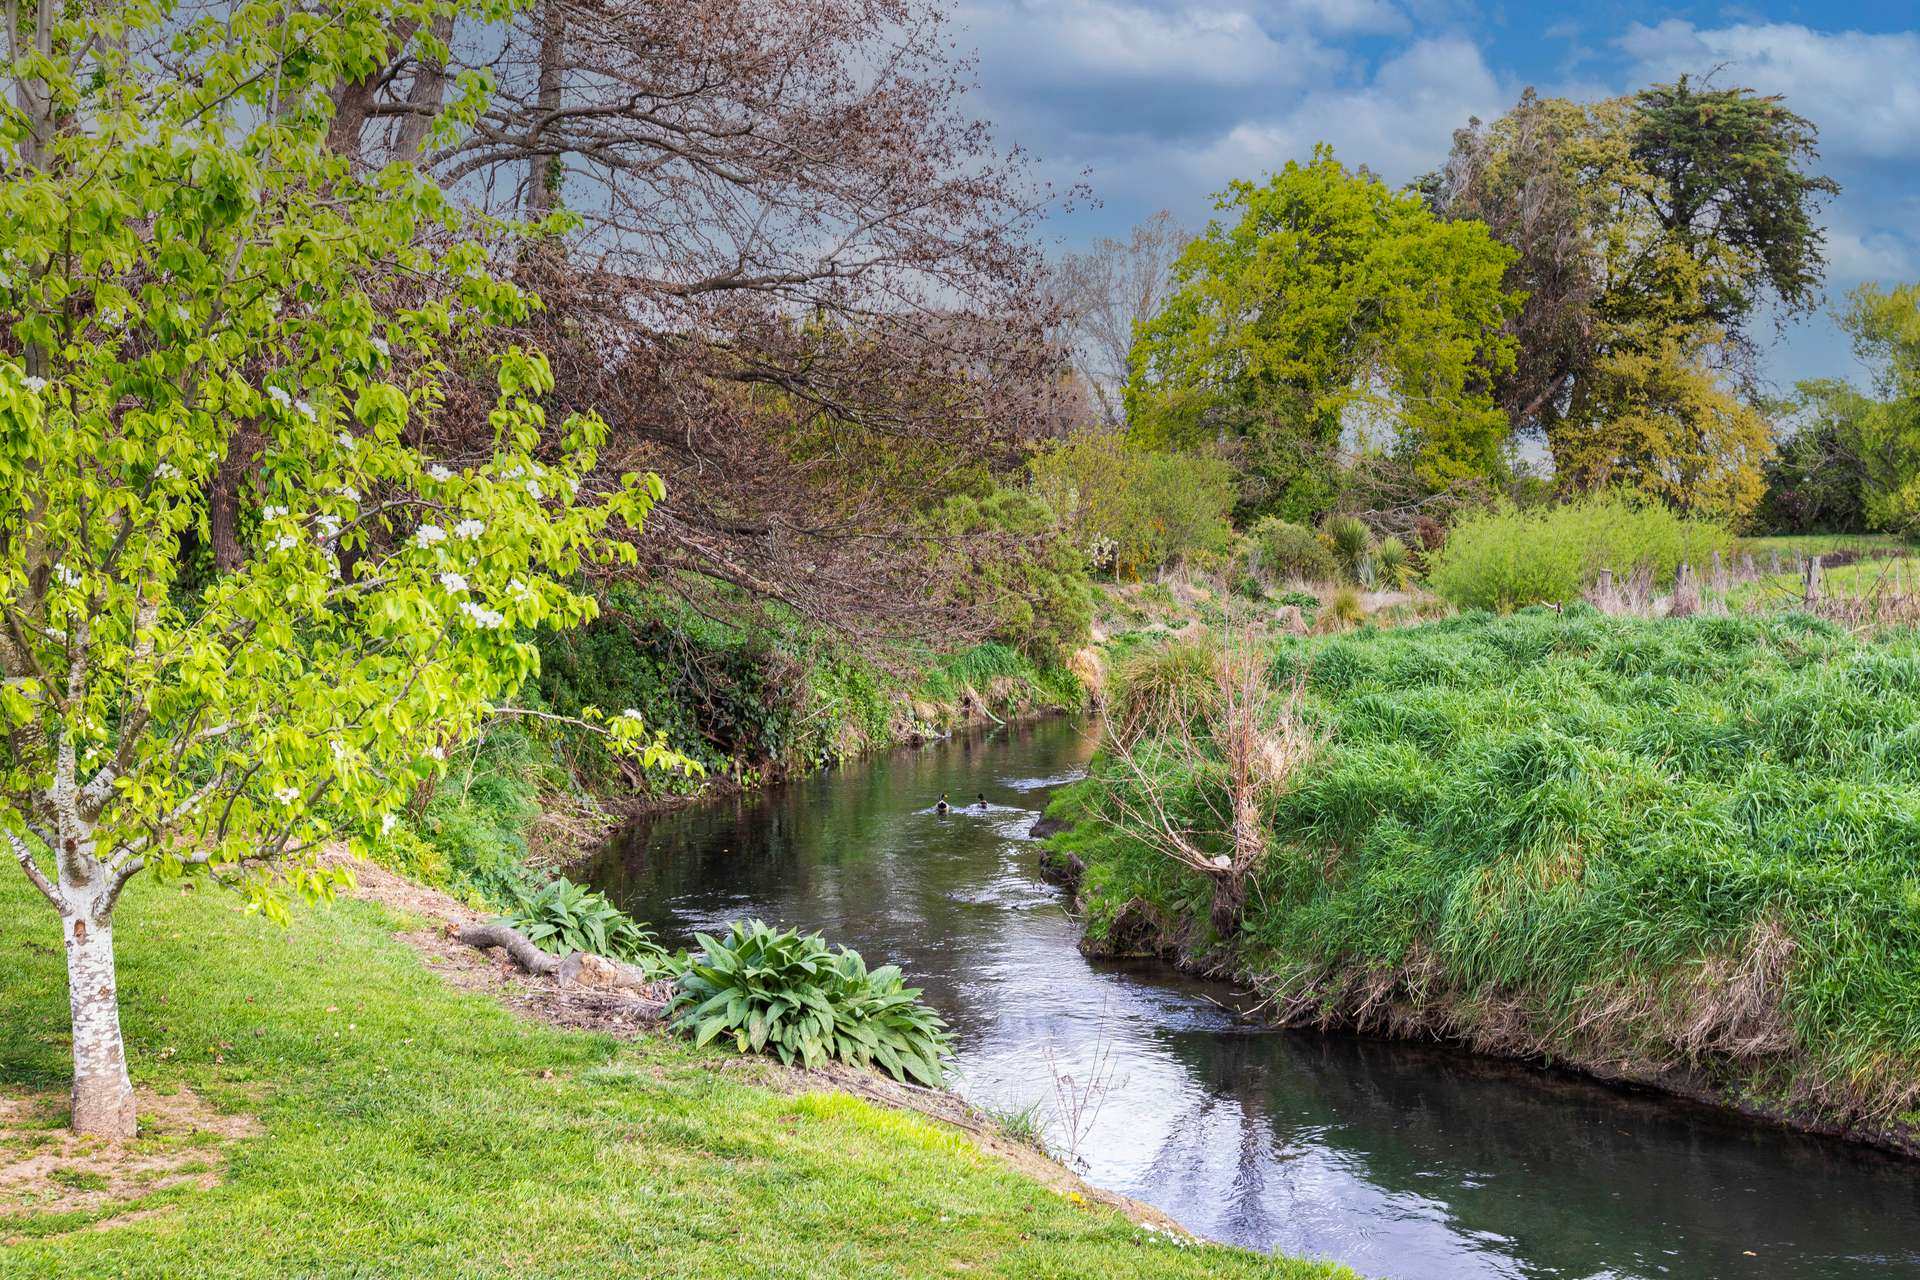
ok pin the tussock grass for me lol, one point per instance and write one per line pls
(1682, 843)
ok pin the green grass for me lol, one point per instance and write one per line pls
(1589, 837)
(1812, 544)
(1863, 578)
(410, 1130)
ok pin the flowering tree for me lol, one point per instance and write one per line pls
(183, 259)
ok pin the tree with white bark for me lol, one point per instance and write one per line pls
(183, 262)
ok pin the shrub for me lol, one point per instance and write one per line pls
(1352, 545)
(1281, 549)
(560, 916)
(1019, 565)
(1343, 609)
(1134, 510)
(790, 994)
(1505, 557)
(1390, 559)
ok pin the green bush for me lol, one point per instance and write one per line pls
(726, 692)
(1352, 547)
(1505, 557)
(1156, 688)
(1132, 510)
(790, 994)
(1390, 560)
(1017, 564)
(1281, 550)
(559, 916)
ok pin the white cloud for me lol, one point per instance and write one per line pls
(1088, 41)
(1861, 89)
(1399, 123)
(1347, 17)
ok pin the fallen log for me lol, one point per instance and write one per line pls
(514, 943)
(581, 967)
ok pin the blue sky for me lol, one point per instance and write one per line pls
(1161, 102)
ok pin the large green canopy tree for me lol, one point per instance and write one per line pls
(181, 258)
(1331, 303)
(1649, 233)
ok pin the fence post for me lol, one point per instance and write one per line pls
(1773, 561)
(1746, 566)
(1719, 579)
(1812, 594)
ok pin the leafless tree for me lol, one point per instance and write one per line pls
(802, 285)
(1107, 292)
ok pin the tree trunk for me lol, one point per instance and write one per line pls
(545, 171)
(424, 97)
(1229, 904)
(102, 1094)
(223, 515)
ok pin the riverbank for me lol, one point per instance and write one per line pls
(1673, 853)
(339, 1107)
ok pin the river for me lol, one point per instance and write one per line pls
(1413, 1162)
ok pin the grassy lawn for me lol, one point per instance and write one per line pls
(1863, 578)
(1820, 544)
(407, 1129)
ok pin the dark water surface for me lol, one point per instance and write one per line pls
(1403, 1161)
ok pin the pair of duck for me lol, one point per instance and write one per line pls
(943, 807)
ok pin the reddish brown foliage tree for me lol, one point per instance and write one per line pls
(800, 285)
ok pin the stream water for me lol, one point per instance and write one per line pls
(1406, 1161)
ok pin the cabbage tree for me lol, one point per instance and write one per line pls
(190, 279)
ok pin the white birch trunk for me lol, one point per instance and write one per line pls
(102, 1094)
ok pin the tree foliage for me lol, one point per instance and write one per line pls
(188, 265)
(1130, 510)
(1648, 233)
(1885, 326)
(1329, 300)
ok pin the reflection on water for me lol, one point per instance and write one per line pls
(1402, 1160)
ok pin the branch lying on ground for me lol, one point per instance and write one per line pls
(575, 968)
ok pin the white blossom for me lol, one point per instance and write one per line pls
(272, 512)
(469, 529)
(346, 441)
(165, 471)
(436, 753)
(379, 344)
(286, 795)
(387, 823)
(519, 589)
(428, 534)
(454, 582)
(36, 385)
(351, 494)
(326, 528)
(285, 542)
(533, 487)
(481, 616)
(280, 397)
(65, 576)
(439, 474)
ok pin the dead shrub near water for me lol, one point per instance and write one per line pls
(1230, 746)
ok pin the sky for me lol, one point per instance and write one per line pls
(1160, 103)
